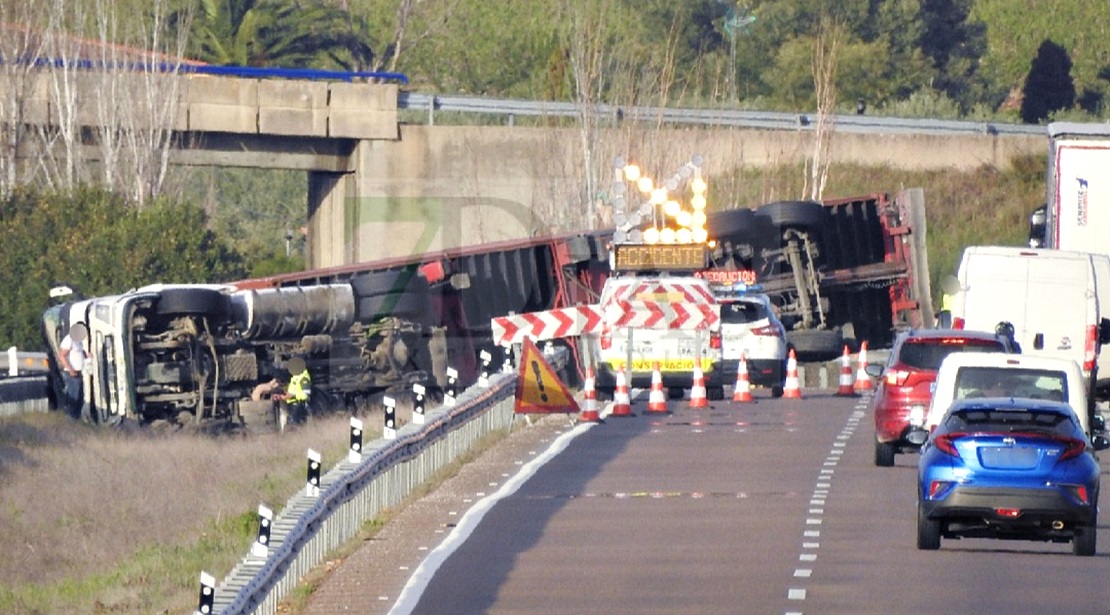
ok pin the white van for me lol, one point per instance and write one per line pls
(675, 350)
(965, 375)
(1050, 296)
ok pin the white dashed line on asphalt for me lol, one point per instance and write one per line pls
(817, 502)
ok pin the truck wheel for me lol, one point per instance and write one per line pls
(816, 344)
(795, 214)
(733, 223)
(194, 301)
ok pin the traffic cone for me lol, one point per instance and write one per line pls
(698, 397)
(743, 390)
(863, 381)
(622, 401)
(847, 386)
(589, 412)
(657, 399)
(791, 389)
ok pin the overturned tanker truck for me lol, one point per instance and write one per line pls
(840, 272)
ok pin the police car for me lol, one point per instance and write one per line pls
(750, 328)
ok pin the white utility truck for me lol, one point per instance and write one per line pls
(1051, 297)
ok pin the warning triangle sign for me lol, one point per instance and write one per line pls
(538, 388)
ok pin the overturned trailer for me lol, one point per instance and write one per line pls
(843, 271)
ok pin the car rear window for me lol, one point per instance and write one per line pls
(982, 381)
(742, 312)
(928, 353)
(1010, 420)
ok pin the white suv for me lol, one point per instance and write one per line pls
(750, 327)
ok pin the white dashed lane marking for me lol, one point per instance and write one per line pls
(817, 502)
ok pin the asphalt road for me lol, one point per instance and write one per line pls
(768, 507)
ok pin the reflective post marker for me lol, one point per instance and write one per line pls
(486, 357)
(312, 488)
(207, 594)
(354, 455)
(261, 546)
(418, 392)
(390, 430)
(452, 385)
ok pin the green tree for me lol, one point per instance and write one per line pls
(99, 244)
(1049, 86)
(309, 34)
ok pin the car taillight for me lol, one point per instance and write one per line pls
(897, 377)
(715, 340)
(957, 323)
(606, 339)
(1072, 448)
(1090, 349)
(945, 445)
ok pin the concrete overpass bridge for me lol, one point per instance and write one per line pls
(379, 186)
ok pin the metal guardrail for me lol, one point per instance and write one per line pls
(769, 120)
(23, 394)
(310, 527)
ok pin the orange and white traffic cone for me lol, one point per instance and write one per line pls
(743, 390)
(590, 412)
(622, 401)
(847, 386)
(791, 388)
(863, 381)
(657, 399)
(698, 398)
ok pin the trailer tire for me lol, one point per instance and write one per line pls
(816, 344)
(733, 223)
(194, 301)
(808, 215)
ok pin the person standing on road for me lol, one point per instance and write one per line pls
(72, 359)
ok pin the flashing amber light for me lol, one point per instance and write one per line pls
(651, 235)
(667, 235)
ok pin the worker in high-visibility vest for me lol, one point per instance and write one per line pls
(294, 402)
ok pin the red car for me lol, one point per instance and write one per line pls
(907, 381)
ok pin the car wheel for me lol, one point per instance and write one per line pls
(676, 392)
(928, 531)
(884, 454)
(1083, 543)
(715, 393)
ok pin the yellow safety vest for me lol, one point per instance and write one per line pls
(946, 302)
(299, 387)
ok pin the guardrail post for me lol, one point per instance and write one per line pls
(312, 486)
(261, 546)
(13, 362)
(390, 430)
(418, 392)
(354, 455)
(483, 380)
(207, 594)
(452, 387)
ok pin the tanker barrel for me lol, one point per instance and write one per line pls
(295, 311)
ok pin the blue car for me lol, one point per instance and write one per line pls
(1012, 469)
